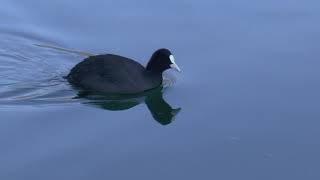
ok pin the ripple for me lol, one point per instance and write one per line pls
(31, 72)
(33, 75)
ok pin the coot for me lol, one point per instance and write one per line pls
(110, 73)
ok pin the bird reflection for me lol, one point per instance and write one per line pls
(161, 111)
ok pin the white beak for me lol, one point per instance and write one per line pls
(174, 65)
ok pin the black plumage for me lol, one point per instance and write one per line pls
(116, 74)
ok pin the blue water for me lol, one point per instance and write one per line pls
(248, 93)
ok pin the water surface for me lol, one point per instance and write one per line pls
(247, 101)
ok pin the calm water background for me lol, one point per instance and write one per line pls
(249, 91)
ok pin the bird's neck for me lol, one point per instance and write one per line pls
(155, 66)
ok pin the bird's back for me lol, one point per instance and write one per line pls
(113, 74)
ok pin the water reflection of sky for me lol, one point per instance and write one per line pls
(248, 91)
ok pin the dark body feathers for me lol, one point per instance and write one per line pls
(113, 74)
